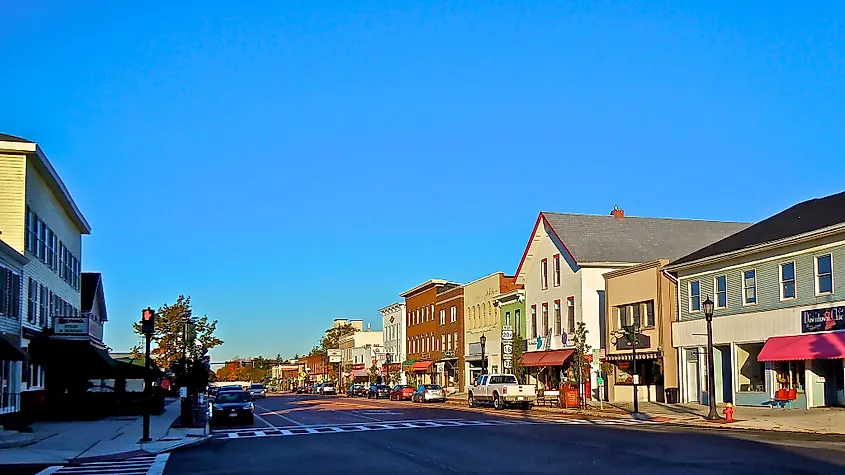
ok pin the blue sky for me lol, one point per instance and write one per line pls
(287, 163)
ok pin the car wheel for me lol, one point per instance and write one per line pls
(497, 402)
(470, 401)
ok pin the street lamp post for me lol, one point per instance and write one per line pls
(711, 378)
(483, 357)
(630, 333)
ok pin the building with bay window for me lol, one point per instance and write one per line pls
(393, 331)
(778, 289)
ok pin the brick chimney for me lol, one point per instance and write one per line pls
(617, 213)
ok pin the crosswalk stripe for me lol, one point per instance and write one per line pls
(141, 465)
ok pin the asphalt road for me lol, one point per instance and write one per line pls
(331, 435)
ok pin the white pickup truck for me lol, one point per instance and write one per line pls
(501, 390)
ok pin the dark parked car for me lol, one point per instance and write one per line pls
(378, 391)
(232, 406)
(356, 390)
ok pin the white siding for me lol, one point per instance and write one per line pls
(43, 202)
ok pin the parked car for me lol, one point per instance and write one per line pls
(402, 392)
(233, 406)
(501, 390)
(428, 392)
(328, 388)
(356, 390)
(257, 391)
(378, 391)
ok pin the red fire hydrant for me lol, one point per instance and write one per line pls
(729, 412)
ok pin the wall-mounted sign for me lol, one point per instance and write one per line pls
(626, 343)
(334, 356)
(358, 366)
(823, 319)
(71, 326)
(539, 342)
(449, 353)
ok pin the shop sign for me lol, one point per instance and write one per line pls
(71, 326)
(334, 356)
(823, 319)
(640, 340)
(358, 366)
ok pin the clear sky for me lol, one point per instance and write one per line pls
(289, 162)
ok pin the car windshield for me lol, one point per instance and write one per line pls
(232, 396)
(432, 386)
(230, 388)
(257, 386)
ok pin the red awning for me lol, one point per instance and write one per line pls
(360, 373)
(420, 365)
(532, 358)
(546, 358)
(821, 346)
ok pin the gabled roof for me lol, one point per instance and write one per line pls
(91, 288)
(606, 239)
(51, 177)
(805, 217)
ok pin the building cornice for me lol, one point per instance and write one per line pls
(424, 286)
(637, 268)
(758, 248)
(394, 307)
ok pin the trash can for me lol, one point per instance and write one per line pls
(671, 395)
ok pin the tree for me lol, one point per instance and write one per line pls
(518, 351)
(233, 371)
(374, 373)
(169, 336)
(330, 341)
(395, 376)
(579, 340)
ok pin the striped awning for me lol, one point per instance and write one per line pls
(651, 355)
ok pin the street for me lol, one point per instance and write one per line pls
(326, 434)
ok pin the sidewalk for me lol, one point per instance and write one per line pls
(828, 420)
(57, 443)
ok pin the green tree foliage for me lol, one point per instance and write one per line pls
(582, 349)
(518, 351)
(169, 337)
(330, 340)
(395, 376)
(373, 374)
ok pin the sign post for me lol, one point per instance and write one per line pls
(147, 328)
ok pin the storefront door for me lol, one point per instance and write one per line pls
(693, 378)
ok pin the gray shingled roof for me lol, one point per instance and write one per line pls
(594, 238)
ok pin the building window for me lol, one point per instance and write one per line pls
(533, 321)
(824, 274)
(751, 373)
(749, 287)
(507, 318)
(442, 342)
(454, 316)
(30, 230)
(787, 281)
(455, 337)
(636, 312)
(32, 307)
(694, 296)
(442, 316)
(45, 305)
(721, 285)
(557, 270)
(649, 312)
(545, 327)
(39, 240)
(570, 315)
(557, 318)
(449, 341)
(544, 274)
(516, 323)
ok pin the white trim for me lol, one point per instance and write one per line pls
(781, 281)
(716, 292)
(816, 275)
(745, 302)
(689, 296)
(755, 262)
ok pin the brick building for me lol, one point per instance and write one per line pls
(423, 337)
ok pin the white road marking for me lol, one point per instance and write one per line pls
(275, 413)
(158, 465)
(49, 470)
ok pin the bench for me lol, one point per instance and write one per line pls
(784, 398)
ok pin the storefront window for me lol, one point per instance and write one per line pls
(790, 374)
(752, 373)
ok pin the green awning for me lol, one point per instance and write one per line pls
(408, 362)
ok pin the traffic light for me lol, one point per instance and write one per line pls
(148, 321)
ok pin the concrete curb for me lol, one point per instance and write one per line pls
(187, 444)
(698, 424)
